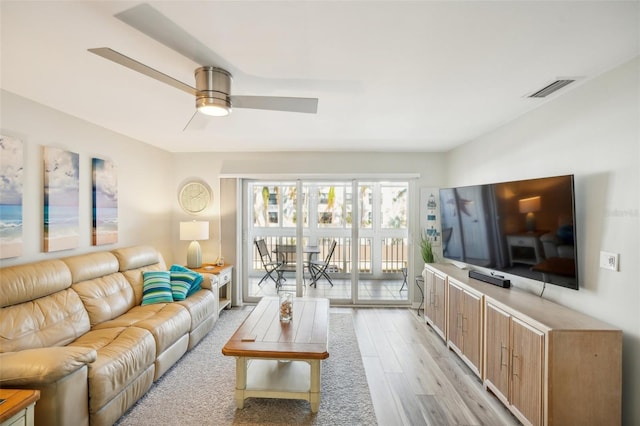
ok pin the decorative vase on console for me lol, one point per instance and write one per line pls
(286, 307)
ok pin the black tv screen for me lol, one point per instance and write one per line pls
(525, 228)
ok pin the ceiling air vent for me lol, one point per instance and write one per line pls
(551, 88)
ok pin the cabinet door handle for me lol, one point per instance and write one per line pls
(502, 348)
(513, 366)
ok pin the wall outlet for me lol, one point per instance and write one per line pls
(609, 260)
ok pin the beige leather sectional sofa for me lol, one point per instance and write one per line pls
(74, 328)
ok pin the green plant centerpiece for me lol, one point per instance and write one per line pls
(426, 249)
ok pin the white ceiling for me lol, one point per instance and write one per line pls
(389, 75)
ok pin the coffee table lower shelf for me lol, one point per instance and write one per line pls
(278, 378)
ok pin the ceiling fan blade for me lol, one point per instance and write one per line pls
(154, 24)
(307, 105)
(126, 61)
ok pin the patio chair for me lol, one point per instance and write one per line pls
(420, 285)
(271, 267)
(318, 268)
(286, 255)
(404, 279)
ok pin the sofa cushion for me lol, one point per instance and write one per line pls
(136, 260)
(137, 257)
(167, 322)
(53, 320)
(135, 278)
(201, 306)
(123, 355)
(156, 287)
(85, 267)
(105, 297)
(24, 283)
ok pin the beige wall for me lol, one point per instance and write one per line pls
(145, 177)
(211, 166)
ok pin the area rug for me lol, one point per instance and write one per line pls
(199, 389)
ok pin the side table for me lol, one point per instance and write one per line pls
(223, 275)
(17, 407)
(525, 248)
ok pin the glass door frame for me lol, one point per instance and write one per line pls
(300, 183)
(378, 234)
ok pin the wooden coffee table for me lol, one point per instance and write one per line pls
(276, 360)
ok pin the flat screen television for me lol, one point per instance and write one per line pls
(524, 228)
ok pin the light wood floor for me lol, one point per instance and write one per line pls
(414, 379)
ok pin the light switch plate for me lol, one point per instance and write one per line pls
(609, 260)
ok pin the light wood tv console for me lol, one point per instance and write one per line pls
(548, 364)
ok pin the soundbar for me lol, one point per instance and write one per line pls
(498, 280)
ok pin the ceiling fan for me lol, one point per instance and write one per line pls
(213, 83)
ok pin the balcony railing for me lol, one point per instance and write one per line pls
(393, 253)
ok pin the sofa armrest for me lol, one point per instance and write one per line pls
(42, 365)
(209, 282)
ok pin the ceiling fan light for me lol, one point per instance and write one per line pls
(213, 86)
(212, 106)
(214, 110)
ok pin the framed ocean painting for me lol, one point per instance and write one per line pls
(11, 178)
(61, 199)
(105, 202)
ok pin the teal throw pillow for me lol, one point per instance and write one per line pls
(156, 287)
(181, 282)
(196, 284)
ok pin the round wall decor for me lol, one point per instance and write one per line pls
(194, 196)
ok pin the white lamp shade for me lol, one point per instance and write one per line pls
(529, 205)
(194, 230)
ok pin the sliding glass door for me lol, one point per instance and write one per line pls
(300, 221)
(276, 212)
(382, 241)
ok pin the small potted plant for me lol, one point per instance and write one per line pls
(426, 249)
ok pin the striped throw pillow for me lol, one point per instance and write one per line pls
(196, 283)
(181, 282)
(156, 287)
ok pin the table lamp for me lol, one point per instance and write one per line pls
(194, 231)
(530, 206)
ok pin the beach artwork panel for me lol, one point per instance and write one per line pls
(105, 202)
(61, 199)
(11, 179)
